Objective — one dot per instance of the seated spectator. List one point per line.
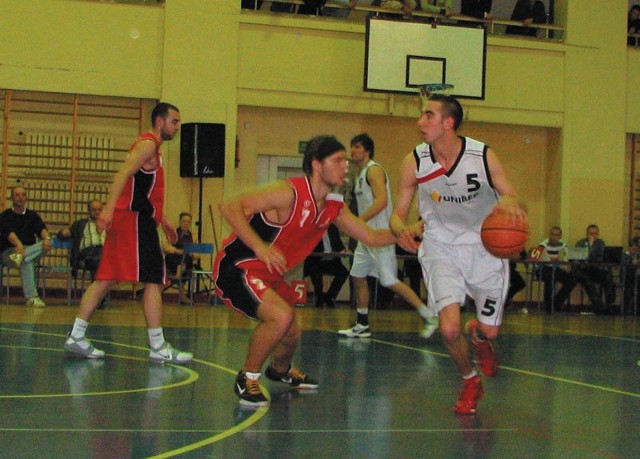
(283, 7)
(441, 7)
(555, 249)
(177, 264)
(346, 7)
(251, 4)
(315, 267)
(406, 6)
(480, 9)
(633, 25)
(516, 282)
(631, 260)
(20, 229)
(528, 12)
(86, 241)
(313, 7)
(591, 276)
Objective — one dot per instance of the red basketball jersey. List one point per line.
(297, 237)
(144, 191)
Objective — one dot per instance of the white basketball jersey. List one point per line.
(454, 204)
(364, 198)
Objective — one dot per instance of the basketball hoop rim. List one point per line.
(432, 88)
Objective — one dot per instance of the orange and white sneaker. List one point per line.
(485, 352)
(469, 395)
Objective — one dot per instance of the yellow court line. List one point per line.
(542, 328)
(252, 419)
(259, 413)
(193, 376)
(525, 372)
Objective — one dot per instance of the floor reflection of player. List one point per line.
(476, 439)
(89, 413)
(145, 441)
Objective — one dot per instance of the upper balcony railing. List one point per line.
(496, 26)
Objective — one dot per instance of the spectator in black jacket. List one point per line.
(480, 9)
(633, 25)
(528, 12)
(20, 229)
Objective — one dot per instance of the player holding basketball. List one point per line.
(275, 228)
(459, 181)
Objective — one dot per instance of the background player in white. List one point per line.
(374, 207)
(459, 181)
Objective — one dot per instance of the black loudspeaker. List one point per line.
(202, 150)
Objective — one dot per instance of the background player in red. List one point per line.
(275, 228)
(459, 182)
(132, 250)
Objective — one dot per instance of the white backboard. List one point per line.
(402, 55)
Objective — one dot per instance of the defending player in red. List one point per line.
(275, 228)
(459, 182)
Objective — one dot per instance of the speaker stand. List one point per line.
(205, 289)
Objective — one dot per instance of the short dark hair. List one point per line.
(16, 187)
(184, 214)
(451, 107)
(366, 141)
(162, 110)
(635, 7)
(91, 202)
(319, 148)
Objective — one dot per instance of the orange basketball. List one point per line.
(504, 237)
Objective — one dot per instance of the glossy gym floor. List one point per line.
(569, 387)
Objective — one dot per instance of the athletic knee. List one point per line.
(281, 318)
(450, 332)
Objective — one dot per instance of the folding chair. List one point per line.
(198, 273)
(57, 262)
(176, 280)
(4, 267)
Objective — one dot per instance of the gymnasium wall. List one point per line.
(550, 108)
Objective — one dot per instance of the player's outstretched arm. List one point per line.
(356, 228)
(406, 235)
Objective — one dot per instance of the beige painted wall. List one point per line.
(522, 149)
(574, 100)
(81, 47)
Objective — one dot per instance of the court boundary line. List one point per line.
(517, 370)
(252, 419)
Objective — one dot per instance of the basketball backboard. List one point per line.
(401, 56)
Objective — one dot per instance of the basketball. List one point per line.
(504, 237)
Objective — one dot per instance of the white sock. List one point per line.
(424, 312)
(79, 328)
(362, 311)
(470, 375)
(156, 337)
(253, 376)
